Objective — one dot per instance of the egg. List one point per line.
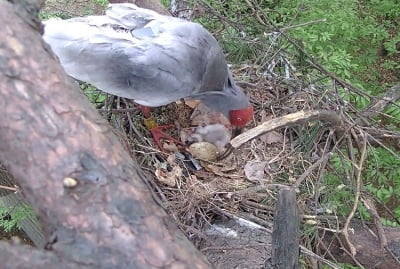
(204, 150)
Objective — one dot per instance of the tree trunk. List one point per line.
(88, 193)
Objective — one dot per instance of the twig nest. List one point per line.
(204, 150)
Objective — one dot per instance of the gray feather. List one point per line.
(139, 54)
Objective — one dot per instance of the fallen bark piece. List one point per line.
(254, 171)
(286, 233)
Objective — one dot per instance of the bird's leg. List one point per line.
(155, 130)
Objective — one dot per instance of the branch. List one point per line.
(50, 133)
(358, 172)
(390, 97)
(285, 121)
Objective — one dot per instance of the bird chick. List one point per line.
(216, 134)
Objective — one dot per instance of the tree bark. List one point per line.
(87, 191)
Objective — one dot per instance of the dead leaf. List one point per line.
(254, 170)
(192, 103)
(169, 177)
(217, 170)
(272, 137)
(171, 160)
(186, 133)
(229, 168)
(212, 168)
(202, 174)
(170, 147)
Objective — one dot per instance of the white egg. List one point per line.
(204, 151)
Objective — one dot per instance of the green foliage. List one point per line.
(390, 64)
(344, 35)
(238, 28)
(359, 101)
(56, 14)
(103, 3)
(381, 177)
(394, 111)
(66, 10)
(6, 222)
(166, 3)
(95, 96)
(386, 9)
(343, 266)
(391, 45)
(389, 223)
(345, 41)
(337, 197)
(9, 223)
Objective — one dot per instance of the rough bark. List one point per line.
(51, 137)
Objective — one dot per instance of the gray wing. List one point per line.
(156, 61)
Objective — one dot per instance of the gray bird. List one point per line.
(153, 59)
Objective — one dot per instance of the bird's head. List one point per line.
(240, 117)
(230, 101)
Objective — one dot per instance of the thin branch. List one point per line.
(311, 168)
(358, 170)
(311, 254)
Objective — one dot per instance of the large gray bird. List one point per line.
(154, 59)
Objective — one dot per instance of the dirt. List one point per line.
(16, 235)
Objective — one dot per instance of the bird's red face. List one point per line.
(239, 118)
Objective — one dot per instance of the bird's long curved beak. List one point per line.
(238, 118)
(236, 131)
